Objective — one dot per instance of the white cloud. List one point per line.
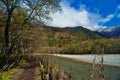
(118, 7)
(117, 11)
(70, 17)
(108, 18)
(118, 16)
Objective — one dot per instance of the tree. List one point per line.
(34, 11)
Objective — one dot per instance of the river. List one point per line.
(110, 59)
(78, 65)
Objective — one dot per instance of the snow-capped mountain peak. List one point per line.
(110, 31)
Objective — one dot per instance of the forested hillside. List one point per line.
(62, 40)
(83, 33)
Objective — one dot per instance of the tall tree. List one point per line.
(35, 11)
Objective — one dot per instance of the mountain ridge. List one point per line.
(75, 40)
(110, 31)
(81, 32)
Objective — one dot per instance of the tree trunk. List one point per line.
(6, 35)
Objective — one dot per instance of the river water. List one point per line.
(108, 59)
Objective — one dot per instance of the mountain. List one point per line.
(110, 31)
(60, 36)
(83, 33)
(73, 40)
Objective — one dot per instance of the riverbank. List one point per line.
(35, 68)
(81, 70)
(110, 60)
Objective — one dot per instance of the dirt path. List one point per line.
(27, 72)
(30, 71)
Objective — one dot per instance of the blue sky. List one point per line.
(91, 14)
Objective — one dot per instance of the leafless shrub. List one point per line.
(97, 71)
